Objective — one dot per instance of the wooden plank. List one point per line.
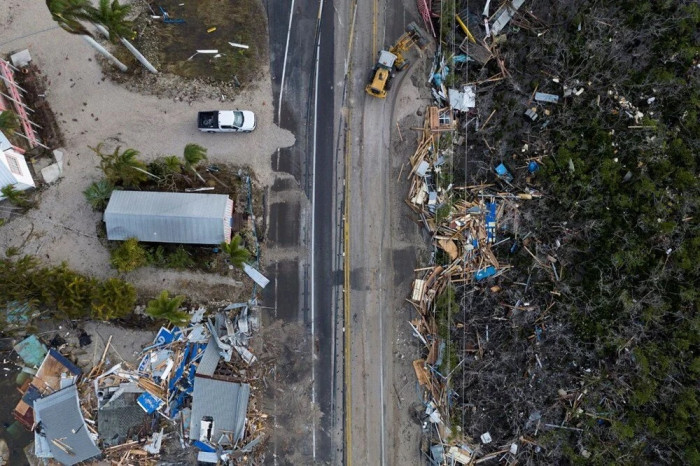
(421, 372)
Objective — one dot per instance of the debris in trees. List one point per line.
(464, 224)
(548, 98)
(504, 14)
(531, 113)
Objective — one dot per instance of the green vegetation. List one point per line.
(167, 308)
(610, 353)
(98, 194)
(180, 259)
(128, 256)
(16, 197)
(236, 251)
(629, 197)
(112, 16)
(9, 123)
(62, 292)
(193, 155)
(122, 168)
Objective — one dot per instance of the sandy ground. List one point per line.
(91, 109)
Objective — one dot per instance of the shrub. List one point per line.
(129, 256)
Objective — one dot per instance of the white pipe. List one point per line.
(134, 51)
(104, 52)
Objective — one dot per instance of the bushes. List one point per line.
(63, 292)
(129, 256)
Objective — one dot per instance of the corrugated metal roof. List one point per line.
(169, 217)
(210, 359)
(61, 420)
(225, 402)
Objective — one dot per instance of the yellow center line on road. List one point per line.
(374, 28)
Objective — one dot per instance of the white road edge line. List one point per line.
(284, 64)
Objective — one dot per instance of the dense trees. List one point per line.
(619, 211)
(629, 203)
(62, 292)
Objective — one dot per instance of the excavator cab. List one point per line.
(381, 75)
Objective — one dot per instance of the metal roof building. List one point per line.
(225, 402)
(162, 217)
(63, 426)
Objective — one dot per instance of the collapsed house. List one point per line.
(191, 382)
(54, 373)
(163, 217)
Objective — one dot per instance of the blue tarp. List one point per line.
(485, 273)
(503, 173)
(31, 350)
(203, 446)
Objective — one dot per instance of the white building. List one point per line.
(13, 167)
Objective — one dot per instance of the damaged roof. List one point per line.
(64, 428)
(117, 420)
(225, 402)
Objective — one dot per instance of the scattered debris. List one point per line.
(549, 98)
(188, 386)
(464, 224)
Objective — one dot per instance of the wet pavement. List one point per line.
(289, 221)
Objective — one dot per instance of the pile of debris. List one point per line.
(463, 223)
(192, 385)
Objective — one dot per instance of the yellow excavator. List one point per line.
(393, 59)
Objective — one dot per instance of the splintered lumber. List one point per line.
(418, 290)
(422, 373)
(65, 448)
(98, 367)
(433, 118)
(449, 247)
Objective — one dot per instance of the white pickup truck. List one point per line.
(226, 121)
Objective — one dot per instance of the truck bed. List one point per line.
(208, 120)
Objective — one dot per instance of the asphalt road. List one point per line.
(302, 215)
(381, 259)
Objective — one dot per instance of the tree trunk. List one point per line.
(139, 56)
(104, 52)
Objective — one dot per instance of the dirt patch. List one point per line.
(172, 48)
(35, 84)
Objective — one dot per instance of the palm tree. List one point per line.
(124, 167)
(110, 19)
(9, 123)
(172, 164)
(236, 251)
(165, 307)
(112, 16)
(193, 155)
(70, 16)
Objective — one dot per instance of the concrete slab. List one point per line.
(51, 173)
